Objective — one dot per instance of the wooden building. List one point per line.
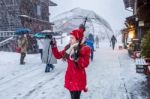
(141, 16)
(32, 14)
(139, 22)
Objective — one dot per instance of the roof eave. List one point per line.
(52, 3)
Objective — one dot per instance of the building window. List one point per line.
(9, 2)
(38, 10)
(34, 9)
(0, 17)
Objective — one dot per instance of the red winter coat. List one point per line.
(75, 78)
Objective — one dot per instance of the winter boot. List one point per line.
(47, 69)
(52, 66)
(22, 58)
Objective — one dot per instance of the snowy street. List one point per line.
(111, 75)
(74, 49)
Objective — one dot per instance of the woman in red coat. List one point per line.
(77, 56)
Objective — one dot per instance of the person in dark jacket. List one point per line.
(113, 41)
(77, 56)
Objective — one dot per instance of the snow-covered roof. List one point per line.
(51, 3)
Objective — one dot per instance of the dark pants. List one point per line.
(48, 67)
(23, 55)
(97, 44)
(41, 52)
(92, 53)
(75, 94)
(113, 46)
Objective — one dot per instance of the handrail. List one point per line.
(5, 41)
(7, 33)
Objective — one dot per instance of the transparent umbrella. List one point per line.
(46, 31)
(69, 20)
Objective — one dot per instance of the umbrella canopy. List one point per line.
(39, 35)
(69, 20)
(21, 31)
(45, 34)
(46, 31)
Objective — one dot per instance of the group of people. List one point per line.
(77, 53)
(44, 48)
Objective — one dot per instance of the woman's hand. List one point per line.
(53, 43)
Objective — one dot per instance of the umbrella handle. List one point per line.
(85, 21)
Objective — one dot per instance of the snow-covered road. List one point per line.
(110, 76)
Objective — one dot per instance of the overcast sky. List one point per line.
(112, 11)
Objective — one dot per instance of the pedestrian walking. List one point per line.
(48, 57)
(113, 41)
(97, 41)
(23, 44)
(91, 37)
(40, 43)
(77, 56)
(90, 43)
